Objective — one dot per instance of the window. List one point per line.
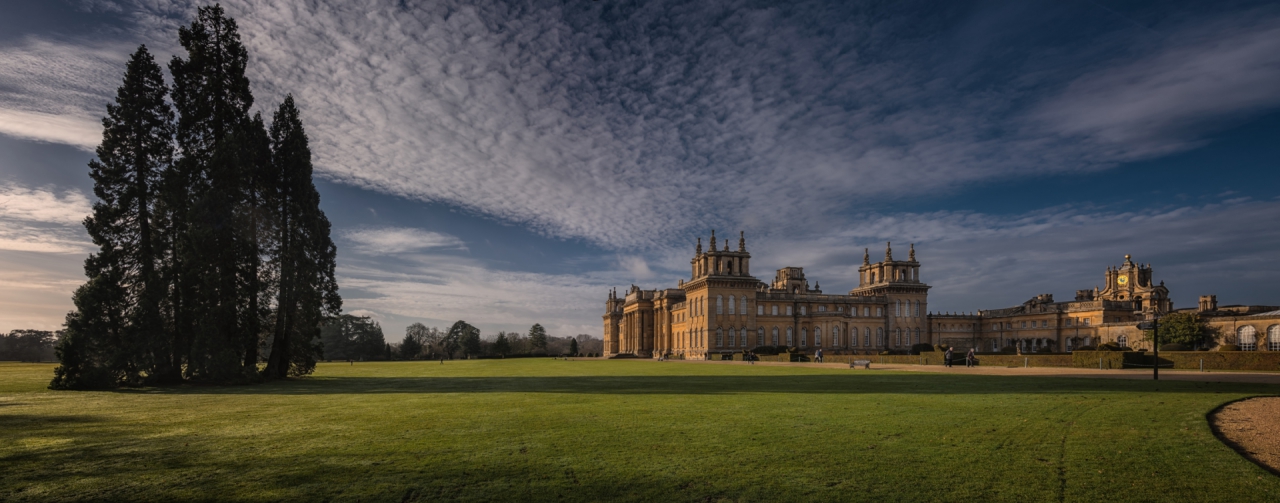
(917, 309)
(880, 336)
(1273, 338)
(1068, 322)
(790, 339)
(897, 308)
(917, 336)
(759, 310)
(1248, 338)
(1122, 341)
(760, 336)
(732, 303)
(804, 337)
(802, 311)
(835, 337)
(719, 304)
(788, 310)
(995, 326)
(866, 311)
(897, 337)
(719, 337)
(866, 336)
(744, 305)
(1086, 321)
(879, 312)
(1044, 324)
(995, 345)
(1024, 324)
(839, 309)
(822, 309)
(775, 336)
(817, 337)
(732, 339)
(775, 310)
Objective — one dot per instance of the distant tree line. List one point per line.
(213, 254)
(465, 341)
(27, 345)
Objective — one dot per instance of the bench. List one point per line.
(866, 364)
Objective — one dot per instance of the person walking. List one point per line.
(819, 355)
(948, 357)
(968, 358)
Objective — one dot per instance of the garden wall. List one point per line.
(1181, 360)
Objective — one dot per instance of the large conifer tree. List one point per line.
(304, 254)
(216, 141)
(117, 331)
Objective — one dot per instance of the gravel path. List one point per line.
(1252, 427)
(1139, 374)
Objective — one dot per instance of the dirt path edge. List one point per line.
(1212, 418)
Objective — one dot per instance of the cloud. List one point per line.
(1149, 104)
(637, 266)
(40, 220)
(397, 240)
(625, 125)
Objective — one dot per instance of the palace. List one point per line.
(723, 309)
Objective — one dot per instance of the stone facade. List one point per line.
(723, 309)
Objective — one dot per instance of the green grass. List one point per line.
(623, 430)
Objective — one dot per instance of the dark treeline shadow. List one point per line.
(853, 383)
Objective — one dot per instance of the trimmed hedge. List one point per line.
(1180, 360)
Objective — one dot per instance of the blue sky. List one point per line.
(508, 162)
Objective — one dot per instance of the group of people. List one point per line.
(969, 359)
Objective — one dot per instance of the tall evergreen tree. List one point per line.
(117, 331)
(502, 346)
(538, 337)
(214, 133)
(304, 254)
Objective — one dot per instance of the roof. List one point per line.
(1268, 313)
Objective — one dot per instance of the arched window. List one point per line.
(733, 339)
(897, 337)
(1248, 338)
(817, 336)
(879, 336)
(719, 337)
(775, 335)
(897, 308)
(719, 304)
(1273, 338)
(790, 339)
(760, 336)
(835, 337)
(804, 337)
(917, 309)
(733, 302)
(742, 337)
(917, 336)
(1123, 341)
(744, 305)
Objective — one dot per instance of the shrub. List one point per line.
(1174, 347)
(941, 348)
(1045, 349)
(1228, 347)
(922, 348)
(1086, 348)
(1009, 350)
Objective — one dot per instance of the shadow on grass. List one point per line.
(705, 385)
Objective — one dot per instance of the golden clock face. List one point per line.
(1122, 280)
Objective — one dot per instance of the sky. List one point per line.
(509, 162)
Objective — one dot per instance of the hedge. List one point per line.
(1181, 360)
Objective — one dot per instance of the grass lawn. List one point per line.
(623, 430)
